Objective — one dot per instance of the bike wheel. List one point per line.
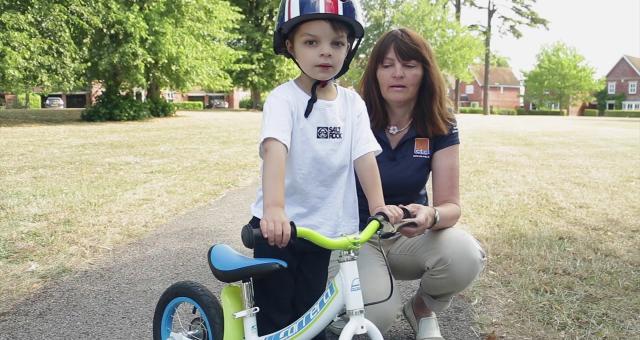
(188, 310)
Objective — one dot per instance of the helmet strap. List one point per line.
(314, 96)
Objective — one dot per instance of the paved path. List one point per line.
(115, 299)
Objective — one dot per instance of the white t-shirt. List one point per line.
(320, 187)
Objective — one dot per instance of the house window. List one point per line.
(633, 87)
(612, 87)
(468, 89)
(611, 105)
(636, 106)
(169, 96)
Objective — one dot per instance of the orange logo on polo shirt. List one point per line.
(421, 148)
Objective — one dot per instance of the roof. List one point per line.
(634, 62)
(497, 75)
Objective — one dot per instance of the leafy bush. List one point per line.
(189, 105)
(542, 112)
(590, 113)
(622, 113)
(116, 107)
(34, 101)
(470, 110)
(161, 108)
(248, 104)
(509, 112)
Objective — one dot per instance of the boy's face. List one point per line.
(319, 50)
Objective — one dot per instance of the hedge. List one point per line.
(542, 112)
(622, 113)
(34, 101)
(470, 110)
(590, 113)
(189, 105)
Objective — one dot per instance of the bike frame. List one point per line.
(343, 291)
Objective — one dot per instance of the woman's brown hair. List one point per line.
(431, 115)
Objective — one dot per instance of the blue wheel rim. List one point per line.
(167, 316)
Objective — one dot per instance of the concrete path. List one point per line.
(116, 298)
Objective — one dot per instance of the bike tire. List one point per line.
(203, 317)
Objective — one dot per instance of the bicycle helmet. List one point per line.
(294, 12)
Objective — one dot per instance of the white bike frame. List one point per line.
(343, 292)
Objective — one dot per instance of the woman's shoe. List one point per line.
(426, 328)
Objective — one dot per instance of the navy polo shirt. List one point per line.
(405, 170)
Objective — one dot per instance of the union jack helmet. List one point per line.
(294, 12)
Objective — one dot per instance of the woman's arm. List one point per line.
(445, 173)
(369, 176)
(274, 223)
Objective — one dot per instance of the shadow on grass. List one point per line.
(12, 118)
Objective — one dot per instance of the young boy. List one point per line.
(315, 135)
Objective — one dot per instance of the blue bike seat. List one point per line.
(228, 265)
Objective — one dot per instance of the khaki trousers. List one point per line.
(445, 261)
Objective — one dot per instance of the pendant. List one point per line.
(393, 129)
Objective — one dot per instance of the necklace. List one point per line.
(393, 129)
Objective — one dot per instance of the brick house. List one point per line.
(624, 78)
(504, 88)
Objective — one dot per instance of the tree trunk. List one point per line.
(26, 99)
(255, 98)
(153, 91)
(491, 8)
(456, 92)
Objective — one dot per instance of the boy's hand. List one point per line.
(275, 227)
(392, 211)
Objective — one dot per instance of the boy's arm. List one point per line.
(274, 223)
(369, 176)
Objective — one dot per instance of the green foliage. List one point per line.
(116, 107)
(41, 44)
(499, 61)
(34, 101)
(160, 108)
(561, 75)
(591, 113)
(189, 105)
(505, 112)
(247, 103)
(454, 45)
(524, 112)
(470, 109)
(259, 68)
(602, 97)
(187, 43)
(622, 113)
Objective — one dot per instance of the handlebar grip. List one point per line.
(252, 236)
(405, 213)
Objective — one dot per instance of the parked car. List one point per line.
(220, 104)
(56, 102)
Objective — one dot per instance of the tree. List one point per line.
(561, 75)
(259, 68)
(41, 44)
(510, 16)
(454, 46)
(185, 47)
(499, 61)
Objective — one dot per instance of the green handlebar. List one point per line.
(347, 242)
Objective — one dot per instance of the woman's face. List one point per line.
(399, 79)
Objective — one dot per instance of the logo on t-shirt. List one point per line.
(421, 148)
(329, 132)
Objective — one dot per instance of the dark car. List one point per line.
(54, 102)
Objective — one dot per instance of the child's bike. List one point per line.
(188, 310)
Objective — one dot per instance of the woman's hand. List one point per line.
(422, 216)
(392, 211)
(275, 227)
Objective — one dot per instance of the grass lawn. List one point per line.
(70, 191)
(554, 200)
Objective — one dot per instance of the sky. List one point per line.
(601, 31)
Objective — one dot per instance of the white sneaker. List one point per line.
(427, 328)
